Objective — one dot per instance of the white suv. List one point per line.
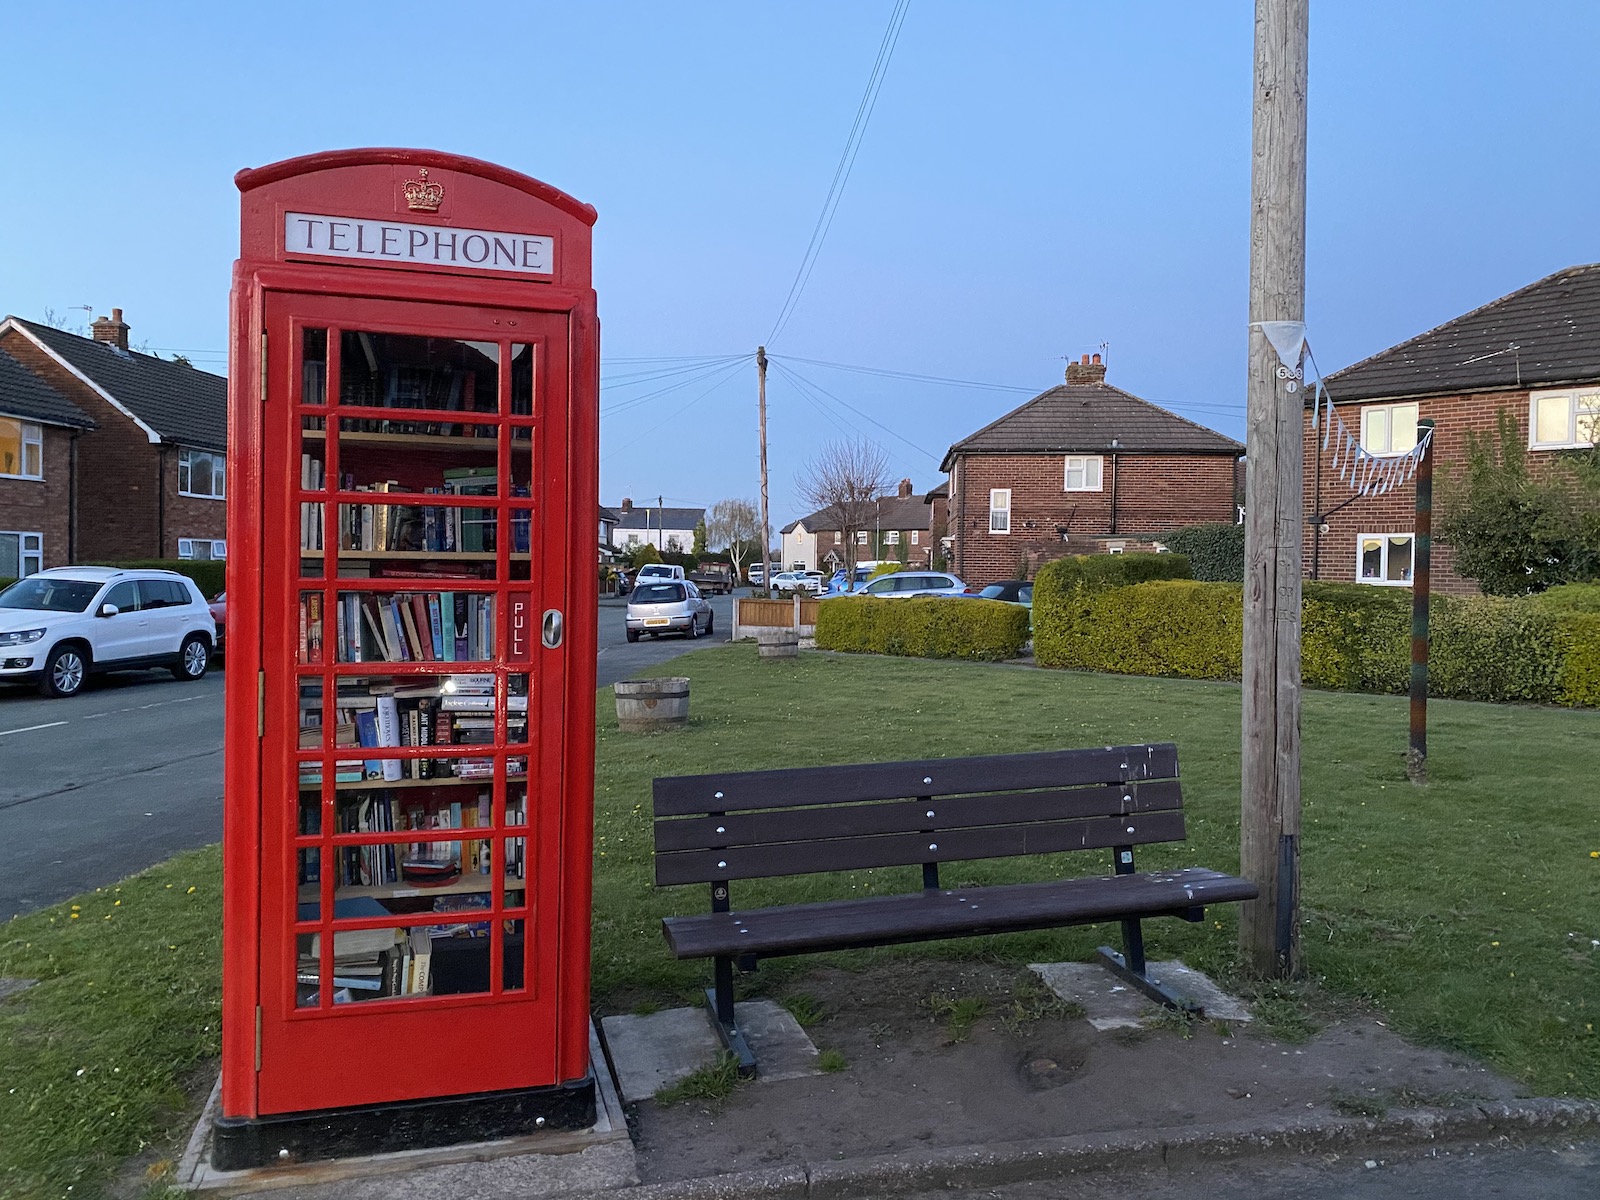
(59, 626)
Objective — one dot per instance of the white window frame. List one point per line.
(1080, 462)
(30, 545)
(218, 548)
(1000, 510)
(861, 537)
(1372, 415)
(838, 537)
(891, 537)
(31, 437)
(1581, 404)
(914, 534)
(219, 473)
(1383, 540)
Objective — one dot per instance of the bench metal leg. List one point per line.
(1133, 969)
(720, 1000)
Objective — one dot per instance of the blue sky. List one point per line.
(1037, 179)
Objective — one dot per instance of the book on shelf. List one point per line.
(403, 627)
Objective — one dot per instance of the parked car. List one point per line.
(673, 606)
(60, 626)
(219, 614)
(656, 572)
(799, 581)
(713, 577)
(758, 574)
(1013, 591)
(836, 584)
(914, 583)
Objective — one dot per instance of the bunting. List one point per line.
(1365, 473)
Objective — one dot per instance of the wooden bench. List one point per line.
(759, 824)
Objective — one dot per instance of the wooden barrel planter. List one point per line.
(779, 643)
(646, 704)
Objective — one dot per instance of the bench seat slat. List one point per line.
(910, 816)
(905, 849)
(686, 795)
(921, 916)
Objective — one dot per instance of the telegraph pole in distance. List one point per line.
(766, 527)
(1269, 833)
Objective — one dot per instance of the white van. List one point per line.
(659, 573)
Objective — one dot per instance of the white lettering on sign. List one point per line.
(423, 245)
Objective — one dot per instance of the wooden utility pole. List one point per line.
(766, 527)
(1269, 849)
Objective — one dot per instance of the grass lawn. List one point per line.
(1467, 910)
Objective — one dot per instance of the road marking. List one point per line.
(31, 728)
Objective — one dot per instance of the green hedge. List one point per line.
(210, 575)
(1215, 551)
(923, 627)
(1065, 586)
(1571, 597)
(1353, 638)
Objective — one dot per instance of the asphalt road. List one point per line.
(129, 772)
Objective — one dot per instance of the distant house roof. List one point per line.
(1093, 418)
(1545, 334)
(24, 394)
(179, 403)
(610, 514)
(660, 518)
(941, 492)
(894, 512)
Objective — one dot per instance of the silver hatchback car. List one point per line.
(673, 607)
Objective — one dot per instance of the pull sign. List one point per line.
(521, 619)
(551, 635)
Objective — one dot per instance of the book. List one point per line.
(367, 734)
(389, 735)
(435, 625)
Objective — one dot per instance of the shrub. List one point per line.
(209, 575)
(1167, 627)
(1355, 637)
(923, 627)
(1571, 597)
(1215, 551)
(1490, 648)
(1578, 681)
(883, 568)
(1061, 595)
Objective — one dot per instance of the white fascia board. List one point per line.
(150, 434)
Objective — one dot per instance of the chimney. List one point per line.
(627, 506)
(904, 491)
(1089, 369)
(113, 332)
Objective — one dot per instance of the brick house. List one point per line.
(1534, 354)
(900, 529)
(1082, 468)
(152, 473)
(39, 432)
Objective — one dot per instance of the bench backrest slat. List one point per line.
(906, 849)
(686, 795)
(765, 826)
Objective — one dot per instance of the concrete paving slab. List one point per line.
(1112, 1004)
(655, 1051)
(558, 1163)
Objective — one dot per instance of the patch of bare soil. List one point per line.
(944, 1054)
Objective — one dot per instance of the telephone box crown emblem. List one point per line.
(422, 196)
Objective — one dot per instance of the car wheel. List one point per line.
(694, 627)
(64, 672)
(194, 656)
(633, 635)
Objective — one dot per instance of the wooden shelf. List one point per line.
(312, 892)
(418, 441)
(358, 785)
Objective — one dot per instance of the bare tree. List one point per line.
(734, 524)
(844, 482)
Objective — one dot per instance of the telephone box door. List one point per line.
(415, 486)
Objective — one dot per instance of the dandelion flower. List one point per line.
(190, 892)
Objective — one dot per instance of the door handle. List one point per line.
(551, 632)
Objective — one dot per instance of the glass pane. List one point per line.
(517, 717)
(1402, 428)
(1399, 565)
(314, 367)
(1375, 430)
(414, 626)
(30, 459)
(10, 446)
(1554, 412)
(1372, 558)
(10, 559)
(522, 376)
(1588, 417)
(387, 370)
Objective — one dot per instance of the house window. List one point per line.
(202, 548)
(838, 537)
(861, 537)
(914, 533)
(891, 538)
(1000, 510)
(21, 554)
(1388, 428)
(202, 474)
(21, 449)
(1384, 559)
(1563, 419)
(1083, 473)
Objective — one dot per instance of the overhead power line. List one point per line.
(841, 173)
(800, 381)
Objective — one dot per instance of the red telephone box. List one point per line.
(411, 658)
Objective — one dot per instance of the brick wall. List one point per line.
(1332, 556)
(189, 516)
(43, 506)
(1152, 493)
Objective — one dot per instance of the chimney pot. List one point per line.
(1085, 360)
(627, 505)
(1085, 371)
(1094, 358)
(905, 489)
(112, 331)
